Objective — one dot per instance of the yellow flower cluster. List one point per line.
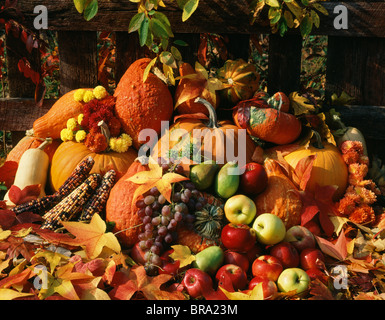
(73, 130)
(120, 144)
(84, 95)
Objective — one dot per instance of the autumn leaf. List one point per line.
(92, 236)
(300, 104)
(138, 281)
(19, 196)
(336, 250)
(52, 258)
(10, 294)
(319, 291)
(8, 173)
(182, 254)
(319, 202)
(155, 178)
(255, 294)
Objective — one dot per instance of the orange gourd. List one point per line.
(29, 142)
(192, 88)
(120, 209)
(216, 139)
(50, 124)
(142, 105)
(329, 167)
(70, 153)
(280, 197)
(268, 124)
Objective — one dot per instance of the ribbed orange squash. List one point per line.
(268, 124)
(280, 197)
(329, 167)
(192, 88)
(50, 124)
(119, 207)
(70, 153)
(29, 142)
(142, 105)
(240, 80)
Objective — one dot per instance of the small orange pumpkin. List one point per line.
(70, 153)
(119, 207)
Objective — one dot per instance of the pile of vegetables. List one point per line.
(157, 206)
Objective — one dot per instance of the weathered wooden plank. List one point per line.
(284, 63)
(365, 18)
(19, 114)
(78, 60)
(357, 66)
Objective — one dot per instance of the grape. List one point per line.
(155, 260)
(154, 191)
(141, 236)
(155, 249)
(165, 167)
(166, 210)
(149, 199)
(198, 206)
(155, 205)
(184, 198)
(168, 238)
(164, 221)
(176, 197)
(148, 211)
(162, 231)
(188, 193)
(140, 203)
(178, 207)
(142, 245)
(146, 220)
(141, 213)
(155, 221)
(148, 227)
(178, 216)
(179, 169)
(161, 199)
(149, 243)
(148, 233)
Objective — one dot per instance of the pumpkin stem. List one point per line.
(45, 143)
(213, 120)
(318, 143)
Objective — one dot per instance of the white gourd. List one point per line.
(32, 169)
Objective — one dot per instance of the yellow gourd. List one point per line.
(32, 169)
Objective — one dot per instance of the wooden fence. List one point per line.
(355, 59)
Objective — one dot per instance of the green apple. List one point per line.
(240, 209)
(292, 279)
(270, 228)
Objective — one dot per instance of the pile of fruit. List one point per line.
(147, 195)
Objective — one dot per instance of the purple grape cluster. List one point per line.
(161, 218)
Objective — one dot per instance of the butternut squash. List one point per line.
(32, 169)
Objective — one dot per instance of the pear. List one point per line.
(203, 174)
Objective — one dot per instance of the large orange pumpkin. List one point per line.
(70, 153)
(329, 167)
(142, 105)
(192, 88)
(280, 197)
(30, 142)
(219, 141)
(119, 207)
(50, 124)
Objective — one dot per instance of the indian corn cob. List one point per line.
(72, 204)
(43, 204)
(98, 200)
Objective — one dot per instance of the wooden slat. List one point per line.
(357, 66)
(284, 63)
(78, 60)
(217, 16)
(19, 114)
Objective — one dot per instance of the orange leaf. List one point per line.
(8, 173)
(338, 250)
(19, 196)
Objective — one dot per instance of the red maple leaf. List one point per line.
(19, 196)
(8, 173)
(319, 202)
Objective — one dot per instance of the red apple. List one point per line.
(286, 253)
(137, 254)
(254, 178)
(235, 273)
(238, 237)
(237, 258)
(313, 227)
(312, 258)
(254, 252)
(300, 237)
(267, 266)
(269, 287)
(197, 283)
(315, 273)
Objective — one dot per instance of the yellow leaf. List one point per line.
(92, 236)
(301, 105)
(9, 294)
(255, 294)
(338, 223)
(4, 234)
(53, 258)
(22, 232)
(182, 254)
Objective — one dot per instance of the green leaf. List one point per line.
(167, 58)
(166, 23)
(189, 8)
(158, 28)
(295, 9)
(91, 10)
(289, 18)
(282, 26)
(273, 3)
(320, 8)
(315, 18)
(143, 31)
(181, 43)
(136, 22)
(306, 26)
(176, 53)
(79, 5)
(274, 15)
(305, 2)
